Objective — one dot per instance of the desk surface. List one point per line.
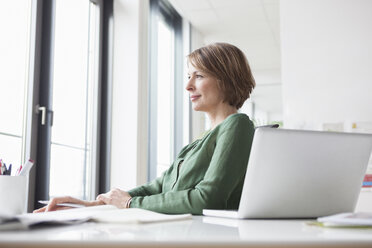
(197, 232)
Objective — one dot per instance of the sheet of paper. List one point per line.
(136, 215)
(64, 216)
(221, 221)
(103, 213)
(351, 219)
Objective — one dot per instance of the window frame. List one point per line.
(174, 20)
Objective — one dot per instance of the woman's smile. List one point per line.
(194, 97)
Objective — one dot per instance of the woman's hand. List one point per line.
(53, 203)
(116, 197)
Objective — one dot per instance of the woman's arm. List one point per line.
(116, 197)
(53, 203)
(151, 188)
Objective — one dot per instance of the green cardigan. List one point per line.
(208, 173)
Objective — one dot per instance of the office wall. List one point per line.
(326, 50)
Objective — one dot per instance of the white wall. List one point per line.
(129, 112)
(326, 61)
(326, 64)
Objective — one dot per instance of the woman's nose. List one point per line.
(190, 85)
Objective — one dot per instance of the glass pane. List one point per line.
(14, 42)
(73, 100)
(165, 97)
(68, 174)
(70, 72)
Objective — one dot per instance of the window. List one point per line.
(166, 87)
(15, 20)
(74, 99)
(55, 81)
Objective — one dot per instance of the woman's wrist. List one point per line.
(127, 204)
(97, 203)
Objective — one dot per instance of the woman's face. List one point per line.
(203, 89)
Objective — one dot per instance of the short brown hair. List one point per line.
(229, 65)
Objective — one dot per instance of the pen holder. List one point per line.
(12, 195)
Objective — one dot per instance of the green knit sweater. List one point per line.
(208, 173)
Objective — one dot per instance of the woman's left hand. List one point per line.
(116, 197)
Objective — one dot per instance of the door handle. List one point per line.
(43, 110)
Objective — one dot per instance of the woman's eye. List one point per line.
(199, 76)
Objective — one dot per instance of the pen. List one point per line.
(18, 170)
(9, 170)
(26, 168)
(72, 205)
(3, 169)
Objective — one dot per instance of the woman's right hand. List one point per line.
(53, 203)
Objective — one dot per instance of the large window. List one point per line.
(166, 90)
(15, 23)
(54, 89)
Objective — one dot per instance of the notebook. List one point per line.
(301, 174)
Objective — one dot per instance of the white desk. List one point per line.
(190, 233)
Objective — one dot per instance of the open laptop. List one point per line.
(302, 174)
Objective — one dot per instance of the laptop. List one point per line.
(301, 174)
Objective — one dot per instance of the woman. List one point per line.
(208, 173)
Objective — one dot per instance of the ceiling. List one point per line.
(251, 25)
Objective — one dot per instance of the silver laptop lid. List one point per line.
(303, 174)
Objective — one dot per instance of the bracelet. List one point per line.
(127, 204)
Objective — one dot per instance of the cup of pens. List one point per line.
(13, 189)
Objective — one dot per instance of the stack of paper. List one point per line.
(103, 213)
(346, 220)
